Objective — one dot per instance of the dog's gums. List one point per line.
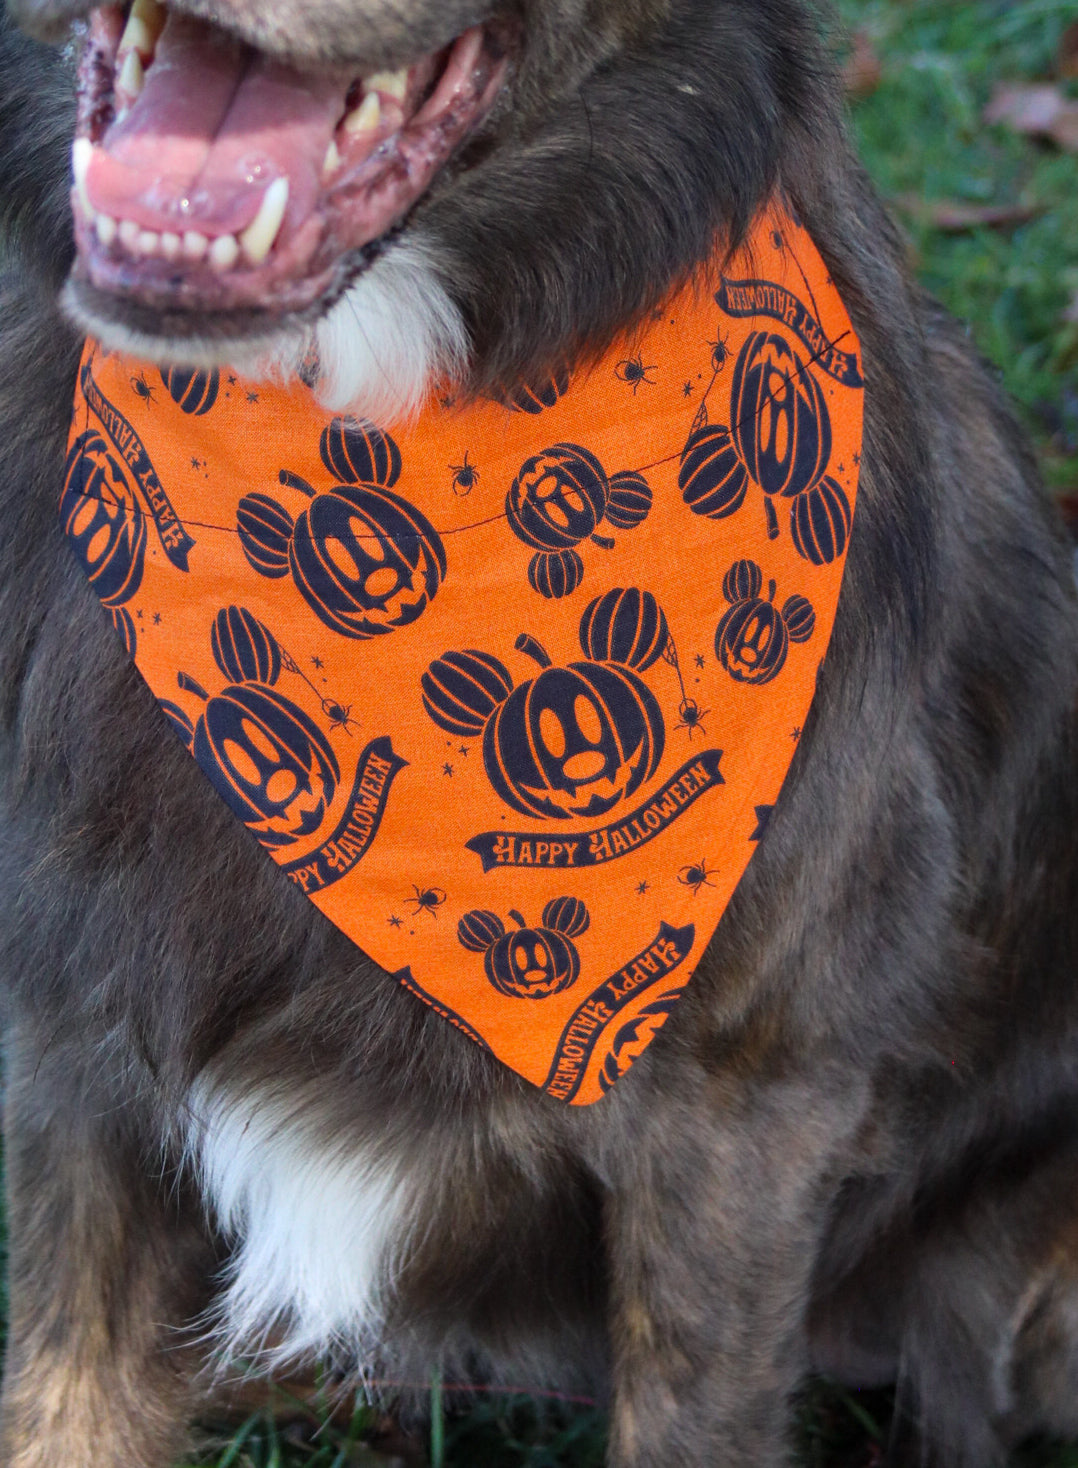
(211, 178)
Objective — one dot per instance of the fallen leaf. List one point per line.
(863, 69)
(1038, 109)
(955, 215)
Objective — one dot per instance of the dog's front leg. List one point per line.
(107, 1269)
(716, 1206)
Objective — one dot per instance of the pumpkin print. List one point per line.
(712, 478)
(630, 500)
(243, 648)
(265, 531)
(555, 574)
(533, 399)
(528, 963)
(558, 498)
(779, 419)
(194, 391)
(358, 453)
(624, 626)
(124, 624)
(820, 522)
(753, 636)
(103, 519)
(462, 689)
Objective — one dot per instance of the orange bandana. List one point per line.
(510, 694)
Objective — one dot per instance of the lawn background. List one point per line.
(921, 74)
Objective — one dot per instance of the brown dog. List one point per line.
(853, 1147)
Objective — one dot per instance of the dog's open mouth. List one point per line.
(213, 181)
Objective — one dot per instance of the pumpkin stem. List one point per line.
(606, 541)
(772, 520)
(771, 589)
(533, 649)
(293, 481)
(188, 684)
(517, 918)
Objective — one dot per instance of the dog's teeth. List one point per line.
(131, 75)
(82, 151)
(129, 232)
(106, 228)
(144, 26)
(147, 242)
(391, 83)
(195, 245)
(332, 160)
(171, 245)
(258, 238)
(224, 252)
(366, 117)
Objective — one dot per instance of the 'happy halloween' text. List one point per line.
(667, 951)
(764, 298)
(378, 767)
(593, 848)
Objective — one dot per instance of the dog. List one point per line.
(852, 1147)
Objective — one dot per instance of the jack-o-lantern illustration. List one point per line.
(271, 763)
(364, 559)
(528, 962)
(572, 741)
(778, 417)
(558, 500)
(193, 390)
(754, 636)
(633, 1038)
(104, 520)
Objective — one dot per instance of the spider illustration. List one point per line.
(719, 352)
(696, 876)
(339, 715)
(691, 716)
(141, 388)
(429, 899)
(465, 477)
(632, 370)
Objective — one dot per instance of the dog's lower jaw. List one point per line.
(318, 1227)
(393, 336)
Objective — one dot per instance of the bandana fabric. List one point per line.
(510, 694)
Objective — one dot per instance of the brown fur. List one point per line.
(853, 1147)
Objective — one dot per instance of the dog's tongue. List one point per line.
(215, 124)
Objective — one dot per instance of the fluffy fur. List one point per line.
(854, 1144)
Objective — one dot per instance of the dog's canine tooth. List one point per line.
(171, 245)
(195, 245)
(143, 28)
(366, 117)
(129, 232)
(131, 77)
(332, 160)
(390, 83)
(258, 238)
(224, 252)
(82, 151)
(106, 228)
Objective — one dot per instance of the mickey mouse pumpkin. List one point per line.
(364, 559)
(558, 500)
(528, 963)
(573, 741)
(754, 636)
(272, 765)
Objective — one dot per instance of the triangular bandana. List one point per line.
(510, 694)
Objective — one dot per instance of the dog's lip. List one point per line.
(210, 180)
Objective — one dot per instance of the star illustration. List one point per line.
(196, 463)
(157, 619)
(447, 768)
(318, 663)
(395, 921)
(463, 749)
(795, 734)
(842, 468)
(252, 397)
(231, 380)
(687, 390)
(699, 660)
(856, 458)
(642, 888)
(138, 614)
